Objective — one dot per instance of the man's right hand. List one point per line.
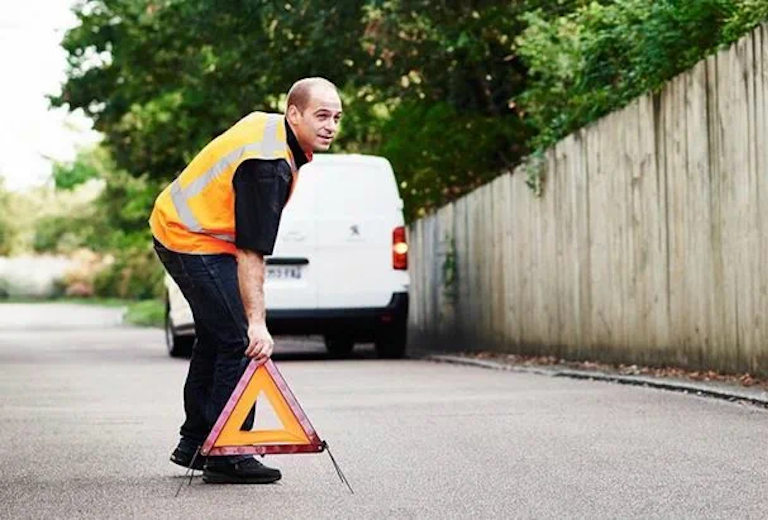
(260, 342)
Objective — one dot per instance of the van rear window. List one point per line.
(354, 188)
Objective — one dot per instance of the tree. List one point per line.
(7, 230)
(113, 219)
(91, 163)
(161, 78)
(599, 57)
(452, 77)
(451, 92)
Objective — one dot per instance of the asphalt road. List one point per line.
(90, 411)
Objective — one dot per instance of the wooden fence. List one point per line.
(649, 244)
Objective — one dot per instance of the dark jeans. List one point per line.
(209, 283)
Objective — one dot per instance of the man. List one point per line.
(212, 228)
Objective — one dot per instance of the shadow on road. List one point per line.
(304, 352)
(308, 350)
(311, 356)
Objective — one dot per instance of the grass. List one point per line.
(146, 313)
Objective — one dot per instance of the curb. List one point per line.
(728, 393)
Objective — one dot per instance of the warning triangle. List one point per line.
(262, 385)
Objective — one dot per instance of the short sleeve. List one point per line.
(261, 191)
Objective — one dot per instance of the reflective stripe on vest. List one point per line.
(269, 146)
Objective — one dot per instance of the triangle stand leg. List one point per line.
(338, 468)
(190, 472)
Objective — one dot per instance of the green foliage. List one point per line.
(88, 164)
(451, 92)
(6, 238)
(57, 234)
(136, 274)
(116, 220)
(115, 223)
(160, 79)
(159, 90)
(7, 229)
(743, 16)
(468, 142)
(121, 212)
(535, 172)
(450, 289)
(603, 55)
(147, 313)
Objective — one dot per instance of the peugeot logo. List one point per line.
(354, 230)
(295, 236)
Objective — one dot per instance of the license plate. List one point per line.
(284, 272)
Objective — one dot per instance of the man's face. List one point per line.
(316, 127)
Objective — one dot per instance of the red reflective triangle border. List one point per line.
(315, 444)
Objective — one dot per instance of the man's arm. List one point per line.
(250, 276)
(261, 190)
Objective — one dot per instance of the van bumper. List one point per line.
(361, 323)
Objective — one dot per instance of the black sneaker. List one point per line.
(183, 457)
(246, 471)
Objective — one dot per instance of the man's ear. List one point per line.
(293, 114)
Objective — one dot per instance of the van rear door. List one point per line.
(358, 208)
(292, 273)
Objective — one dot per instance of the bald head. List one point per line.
(313, 111)
(301, 91)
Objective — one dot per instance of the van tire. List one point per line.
(390, 343)
(339, 347)
(177, 346)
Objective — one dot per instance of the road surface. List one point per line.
(91, 408)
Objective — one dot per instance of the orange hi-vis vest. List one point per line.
(196, 212)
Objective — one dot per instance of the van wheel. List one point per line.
(390, 343)
(339, 347)
(178, 346)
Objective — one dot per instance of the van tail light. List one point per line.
(399, 249)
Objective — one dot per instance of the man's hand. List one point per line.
(260, 342)
(250, 276)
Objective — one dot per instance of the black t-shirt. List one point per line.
(261, 191)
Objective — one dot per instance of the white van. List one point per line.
(340, 264)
